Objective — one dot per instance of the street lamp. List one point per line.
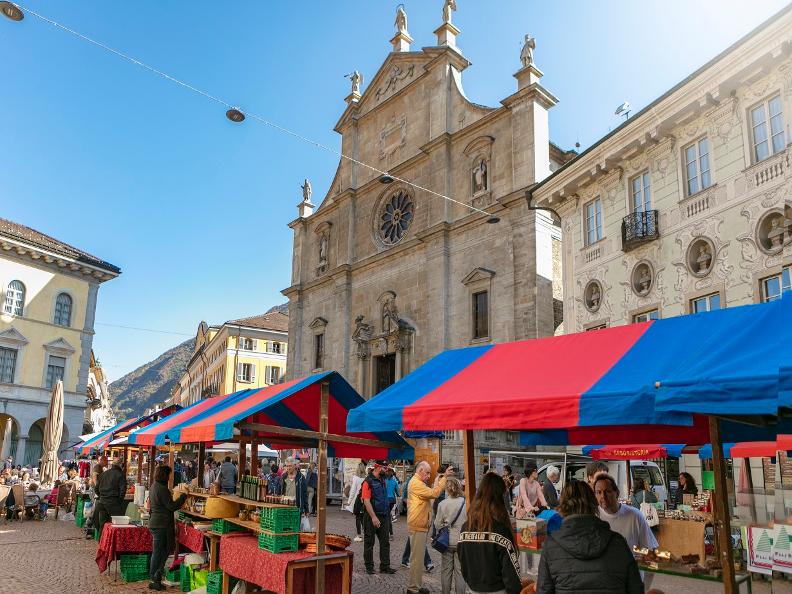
(235, 115)
(385, 179)
(11, 11)
(493, 220)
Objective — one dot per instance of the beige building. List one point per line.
(237, 355)
(685, 207)
(48, 293)
(387, 275)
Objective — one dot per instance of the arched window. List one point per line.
(14, 298)
(63, 308)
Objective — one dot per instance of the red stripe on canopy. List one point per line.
(629, 452)
(532, 381)
(754, 449)
(148, 435)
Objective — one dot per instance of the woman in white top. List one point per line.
(357, 484)
(447, 512)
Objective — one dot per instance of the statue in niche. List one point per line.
(704, 258)
(390, 315)
(776, 232)
(449, 7)
(480, 177)
(356, 79)
(323, 250)
(594, 297)
(401, 20)
(361, 336)
(644, 280)
(526, 55)
(307, 190)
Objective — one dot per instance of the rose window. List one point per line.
(396, 217)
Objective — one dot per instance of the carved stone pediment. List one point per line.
(319, 323)
(60, 347)
(478, 274)
(13, 338)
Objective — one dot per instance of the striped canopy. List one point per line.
(659, 372)
(293, 405)
(101, 441)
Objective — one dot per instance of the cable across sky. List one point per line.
(252, 115)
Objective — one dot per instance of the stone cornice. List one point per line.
(533, 91)
(62, 264)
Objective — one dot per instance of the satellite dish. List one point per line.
(623, 109)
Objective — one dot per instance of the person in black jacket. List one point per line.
(161, 524)
(110, 490)
(486, 548)
(585, 555)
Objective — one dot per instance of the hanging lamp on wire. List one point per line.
(11, 11)
(235, 115)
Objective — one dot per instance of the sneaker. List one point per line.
(430, 568)
(387, 570)
(358, 539)
(405, 564)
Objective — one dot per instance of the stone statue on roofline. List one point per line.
(356, 79)
(401, 20)
(526, 55)
(307, 190)
(449, 7)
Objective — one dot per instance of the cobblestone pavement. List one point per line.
(53, 556)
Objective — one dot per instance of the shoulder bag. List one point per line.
(442, 538)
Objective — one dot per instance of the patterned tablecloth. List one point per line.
(121, 539)
(189, 537)
(241, 557)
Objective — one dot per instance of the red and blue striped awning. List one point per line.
(634, 451)
(293, 404)
(722, 362)
(100, 442)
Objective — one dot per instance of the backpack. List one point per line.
(357, 508)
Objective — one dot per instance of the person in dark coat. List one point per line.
(585, 555)
(548, 489)
(110, 490)
(687, 486)
(487, 552)
(161, 524)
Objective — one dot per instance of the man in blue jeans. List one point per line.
(405, 562)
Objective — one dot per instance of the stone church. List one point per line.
(425, 240)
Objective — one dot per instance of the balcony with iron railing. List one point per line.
(639, 228)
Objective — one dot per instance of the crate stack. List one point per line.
(135, 568)
(221, 526)
(280, 529)
(79, 514)
(214, 582)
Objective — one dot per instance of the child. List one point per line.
(51, 499)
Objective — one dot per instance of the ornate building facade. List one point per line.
(48, 299)
(239, 354)
(99, 413)
(440, 252)
(687, 206)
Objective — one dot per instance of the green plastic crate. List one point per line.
(222, 526)
(214, 582)
(280, 519)
(79, 515)
(278, 543)
(185, 577)
(134, 575)
(173, 575)
(134, 568)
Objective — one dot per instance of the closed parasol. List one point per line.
(53, 432)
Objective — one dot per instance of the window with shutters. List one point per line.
(247, 344)
(274, 347)
(56, 367)
(8, 359)
(63, 309)
(272, 374)
(246, 372)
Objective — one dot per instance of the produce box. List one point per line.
(135, 568)
(220, 508)
(278, 543)
(214, 582)
(222, 526)
(280, 519)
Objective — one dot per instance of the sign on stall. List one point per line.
(760, 548)
(782, 551)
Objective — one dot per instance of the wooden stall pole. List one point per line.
(721, 516)
(253, 457)
(469, 451)
(201, 461)
(140, 465)
(242, 458)
(151, 465)
(321, 486)
(170, 463)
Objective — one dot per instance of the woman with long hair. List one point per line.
(487, 551)
(161, 524)
(451, 513)
(354, 503)
(687, 486)
(585, 555)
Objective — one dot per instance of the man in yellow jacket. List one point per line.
(419, 512)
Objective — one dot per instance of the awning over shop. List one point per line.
(754, 449)
(634, 452)
(705, 451)
(293, 405)
(102, 440)
(726, 362)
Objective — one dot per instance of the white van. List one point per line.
(645, 469)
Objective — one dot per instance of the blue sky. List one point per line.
(151, 177)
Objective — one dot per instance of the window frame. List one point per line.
(319, 350)
(246, 340)
(15, 359)
(785, 271)
(767, 125)
(597, 217)
(16, 306)
(477, 317)
(696, 145)
(268, 372)
(241, 375)
(647, 312)
(57, 318)
(51, 380)
(707, 298)
(274, 347)
(645, 189)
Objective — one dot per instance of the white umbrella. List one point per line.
(53, 432)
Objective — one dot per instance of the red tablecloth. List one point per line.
(121, 539)
(241, 557)
(190, 537)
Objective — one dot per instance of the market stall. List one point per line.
(309, 412)
(725, 362)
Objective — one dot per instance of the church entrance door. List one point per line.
(386, 371)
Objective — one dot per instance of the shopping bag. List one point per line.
(649, 513)
(305, 524)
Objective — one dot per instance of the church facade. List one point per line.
(425, 240)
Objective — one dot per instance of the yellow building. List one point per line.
(240, 354)
(48, 292)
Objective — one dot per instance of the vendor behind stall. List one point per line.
(161, 524)
(687, 486)
(111, 489)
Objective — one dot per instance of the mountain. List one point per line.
(151, 383)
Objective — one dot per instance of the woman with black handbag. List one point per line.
(448, 521)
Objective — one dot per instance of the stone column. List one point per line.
(8, 428)
(20, 453)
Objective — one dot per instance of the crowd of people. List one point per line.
(590, 552)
